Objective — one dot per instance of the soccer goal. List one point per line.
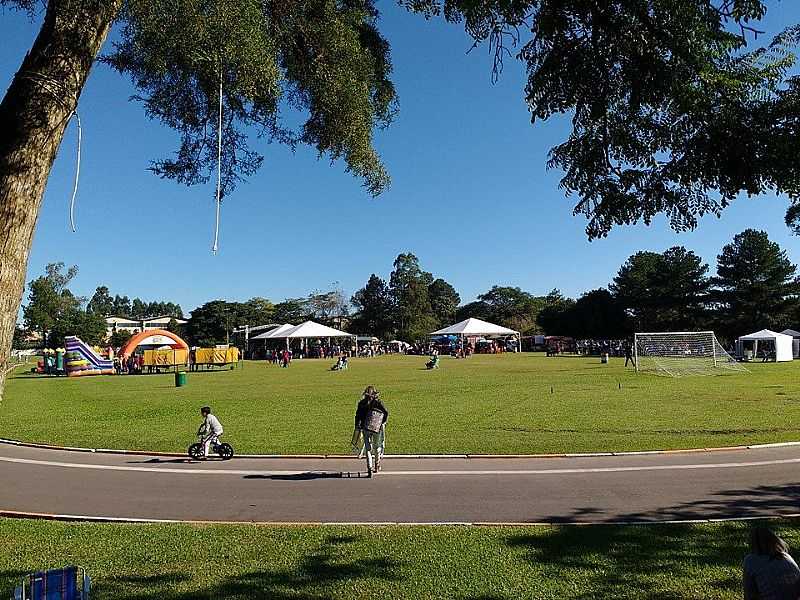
(679, 353)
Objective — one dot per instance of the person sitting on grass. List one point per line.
(339, 364)
(210, 430)
(433, 363)
(769, 573)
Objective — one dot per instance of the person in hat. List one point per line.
(374, 433)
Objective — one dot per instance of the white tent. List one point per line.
(795, 341)
(273, 332)
(782, 343)
(473, 327)
(310, 330)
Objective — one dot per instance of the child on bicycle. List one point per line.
(210, 430)
(374, 435)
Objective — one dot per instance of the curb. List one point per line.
(35, 516)
(10, 442)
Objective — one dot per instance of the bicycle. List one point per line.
(223, 450)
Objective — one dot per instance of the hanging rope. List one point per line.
(77, 172)
(56, 89)
(215, 247)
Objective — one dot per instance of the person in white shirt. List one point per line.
(211, 429)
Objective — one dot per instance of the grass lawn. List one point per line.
(486, 404)
(182, 562)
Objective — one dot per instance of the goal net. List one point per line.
(682, 353)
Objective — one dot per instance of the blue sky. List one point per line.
(470, 197)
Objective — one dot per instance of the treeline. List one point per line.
(412, 304)
(754, 286)
(121, 306)
(53, 311)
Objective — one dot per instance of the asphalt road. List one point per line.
(656, 487)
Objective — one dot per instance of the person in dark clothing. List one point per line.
(629, 356)
(365, 422)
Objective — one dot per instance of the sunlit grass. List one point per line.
(227, 562)
(487, 404)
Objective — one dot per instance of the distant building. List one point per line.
(133, 326)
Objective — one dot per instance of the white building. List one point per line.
(132, 325)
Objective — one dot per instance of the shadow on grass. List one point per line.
(317, 576)
(658, 563)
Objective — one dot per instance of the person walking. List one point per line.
(769, 573)
(629, 355)
(374, 434)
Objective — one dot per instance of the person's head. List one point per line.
(370, 392)
(763, 541)
(205, 411)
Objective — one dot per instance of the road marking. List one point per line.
(411, 473)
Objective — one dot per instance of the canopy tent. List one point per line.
(274, 332)
(795, 341)
(782, 343)
(310, 330)
(475, 327)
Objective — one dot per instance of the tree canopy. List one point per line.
(55, 312)
(104, 305)
(675, 108)
(373, 309)
(271, 60)
(665, 291)
(757, 284)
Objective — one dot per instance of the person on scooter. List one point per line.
(370, 401)
(211, 429)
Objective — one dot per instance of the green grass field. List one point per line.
(486, 404)
(227, 562)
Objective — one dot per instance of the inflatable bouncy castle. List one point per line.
(82, 360)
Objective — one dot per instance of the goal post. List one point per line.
(679, 353)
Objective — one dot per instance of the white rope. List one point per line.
(77, 173)
(215, 247)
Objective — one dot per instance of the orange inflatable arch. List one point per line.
(137, 339)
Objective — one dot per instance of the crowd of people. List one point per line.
(600, 347)
(133, 364)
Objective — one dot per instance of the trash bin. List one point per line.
(180, 378)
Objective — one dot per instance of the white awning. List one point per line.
(273, 332)
(310, 329)
(783, 343)
(764, 334)
(475, 327)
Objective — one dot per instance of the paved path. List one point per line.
(658, 487)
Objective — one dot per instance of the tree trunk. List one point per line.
(33, 116)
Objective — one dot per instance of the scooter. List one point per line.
(224, 450)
